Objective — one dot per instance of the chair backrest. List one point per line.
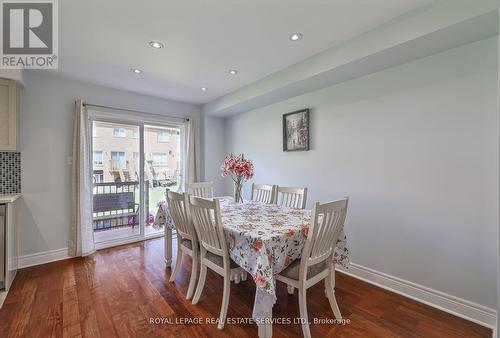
(200, 189)
(207, 222)
(177, 206)
(263, 193)
(291, 197)
(327, 221)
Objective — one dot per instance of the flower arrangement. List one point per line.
(240, 170)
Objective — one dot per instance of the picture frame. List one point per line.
(296, 130)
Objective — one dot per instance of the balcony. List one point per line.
(116, 209)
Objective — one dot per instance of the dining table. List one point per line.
(263, 239)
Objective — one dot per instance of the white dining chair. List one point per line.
(206, 218)
(291, 197)
(187, 241)
(200, 189)
(264, 193)
(327, 222)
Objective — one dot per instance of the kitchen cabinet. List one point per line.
(9, 114)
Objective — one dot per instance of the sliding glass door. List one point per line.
(132, 166)
(162, 168)
(116, 181)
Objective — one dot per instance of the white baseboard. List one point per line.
(459, 307)
(43, 257)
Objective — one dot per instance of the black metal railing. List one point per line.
(115, 204)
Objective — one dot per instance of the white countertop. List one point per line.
(8, 198)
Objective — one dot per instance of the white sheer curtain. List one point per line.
(189, 153)
(81, 242)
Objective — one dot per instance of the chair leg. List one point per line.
(303, 312)
(237, 277)
(178, 260)
(331, 296)
(194, 272)
(225, 301)
(201, 282)
(332, 275)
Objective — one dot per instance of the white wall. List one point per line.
(498, 229)
(47, 116)
(415, 148)
(214, 147)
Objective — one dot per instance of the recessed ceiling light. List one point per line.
(295, 37)
(203, 88)
(233, 71)
(137, 71)
(156, 44)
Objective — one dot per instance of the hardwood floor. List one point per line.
(116, 292)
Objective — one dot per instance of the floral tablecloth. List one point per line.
(162, 217)
(264, 239)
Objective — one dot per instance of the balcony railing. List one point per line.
(115, 205)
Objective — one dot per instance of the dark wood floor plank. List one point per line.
(23, 311)
(117, 292)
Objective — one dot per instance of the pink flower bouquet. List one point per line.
(240, 170)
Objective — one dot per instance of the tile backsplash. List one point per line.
(10, 172)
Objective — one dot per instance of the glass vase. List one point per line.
(238, 195)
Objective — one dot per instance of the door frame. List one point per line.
(139, 120)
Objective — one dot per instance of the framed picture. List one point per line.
(296, 130)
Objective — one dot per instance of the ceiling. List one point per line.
(101, 41)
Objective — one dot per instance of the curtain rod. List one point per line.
(85, 104)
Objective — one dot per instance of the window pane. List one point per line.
(98, 176)
(162, 136)
(119, 132)
(97, 157)
(118, 160)
(160, 158)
